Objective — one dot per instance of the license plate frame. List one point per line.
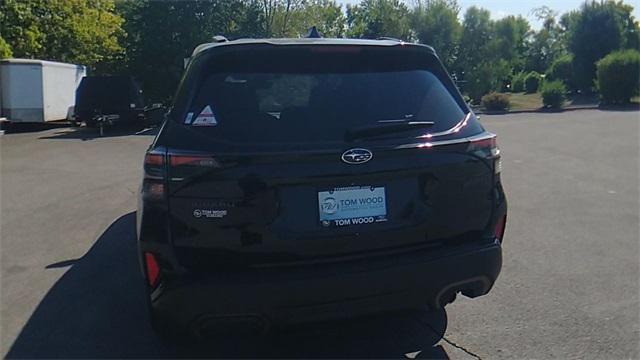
(352, 206)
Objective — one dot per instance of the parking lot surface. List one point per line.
(569, 288)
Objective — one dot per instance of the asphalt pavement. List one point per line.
(70, 285)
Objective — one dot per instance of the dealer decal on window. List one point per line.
(206, 118)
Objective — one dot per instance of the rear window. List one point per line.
(317, 96)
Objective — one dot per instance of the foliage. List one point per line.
(618, 76)
(496, 101)
(532, 82)
(546, 44)
(77, 31)
(5, 49)
(486, 77)
(371, 19)
(509, 40)
(562, 69)
(553, 94)
(162, 34)
(435, 23)
(517, 82)
(326, 15)
(476, 35)
(594, 31)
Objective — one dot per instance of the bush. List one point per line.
(618, 76)
(562, 69)
(5, 49)
(532, 82)
(496, 101)
(485, 78)
(553, 94)
(517, 82)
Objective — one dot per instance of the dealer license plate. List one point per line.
(352, 206)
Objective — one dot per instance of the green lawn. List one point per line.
(522, 101)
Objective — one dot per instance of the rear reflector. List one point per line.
(500, 227)
(153, 270)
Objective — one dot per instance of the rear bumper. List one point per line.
(291, 295)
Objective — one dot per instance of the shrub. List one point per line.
(532, 82)
(485, 78)
(517, 82)
(5, 49)
(562, 69)
(496, 101)
(618, 76)
(553, 94)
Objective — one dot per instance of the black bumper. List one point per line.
(290, 295)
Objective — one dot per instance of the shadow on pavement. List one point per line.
(96, 310)
(85, 133)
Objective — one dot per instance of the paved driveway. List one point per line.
(569, 287)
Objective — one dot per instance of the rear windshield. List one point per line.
(317, 96)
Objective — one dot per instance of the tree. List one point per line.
(547, 43)
(377, 18)
(5, 49)
(78, 31)
(325, 15)
(594, 31)
(509, 42)
(476, 36)
(162, 34)
(435, 23)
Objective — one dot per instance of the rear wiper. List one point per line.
(386, 127)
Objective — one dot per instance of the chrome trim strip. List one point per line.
(457, 127)
(483, 136)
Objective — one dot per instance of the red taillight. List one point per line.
(192, 160)
(485, 143)
(489, 146)
(154, 176)
(153, 270)
(154, 159)
(500, 227)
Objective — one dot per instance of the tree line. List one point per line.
(149, 39)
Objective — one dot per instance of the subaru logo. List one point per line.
(356, 156)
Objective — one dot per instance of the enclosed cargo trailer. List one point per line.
(37, 90)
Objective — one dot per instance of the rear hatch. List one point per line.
(286, 154)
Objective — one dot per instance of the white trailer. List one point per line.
(37, 90)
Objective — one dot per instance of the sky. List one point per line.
(502, 8)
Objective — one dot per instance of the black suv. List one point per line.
(296, 180)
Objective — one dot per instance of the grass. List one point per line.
(522, 101)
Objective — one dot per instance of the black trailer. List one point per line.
(103, 101)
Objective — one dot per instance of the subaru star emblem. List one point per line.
(356, 156)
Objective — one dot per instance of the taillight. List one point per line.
(153, 185)
(489, 146)
(153, 270)
(500, 227)
(192, 160)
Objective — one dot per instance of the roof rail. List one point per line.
(219, 39)
(313, 33)
(389, 38)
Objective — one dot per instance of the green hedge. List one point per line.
(562, 69)
(553, 94)
(532, 82)
(496, 101)
(618, 76)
